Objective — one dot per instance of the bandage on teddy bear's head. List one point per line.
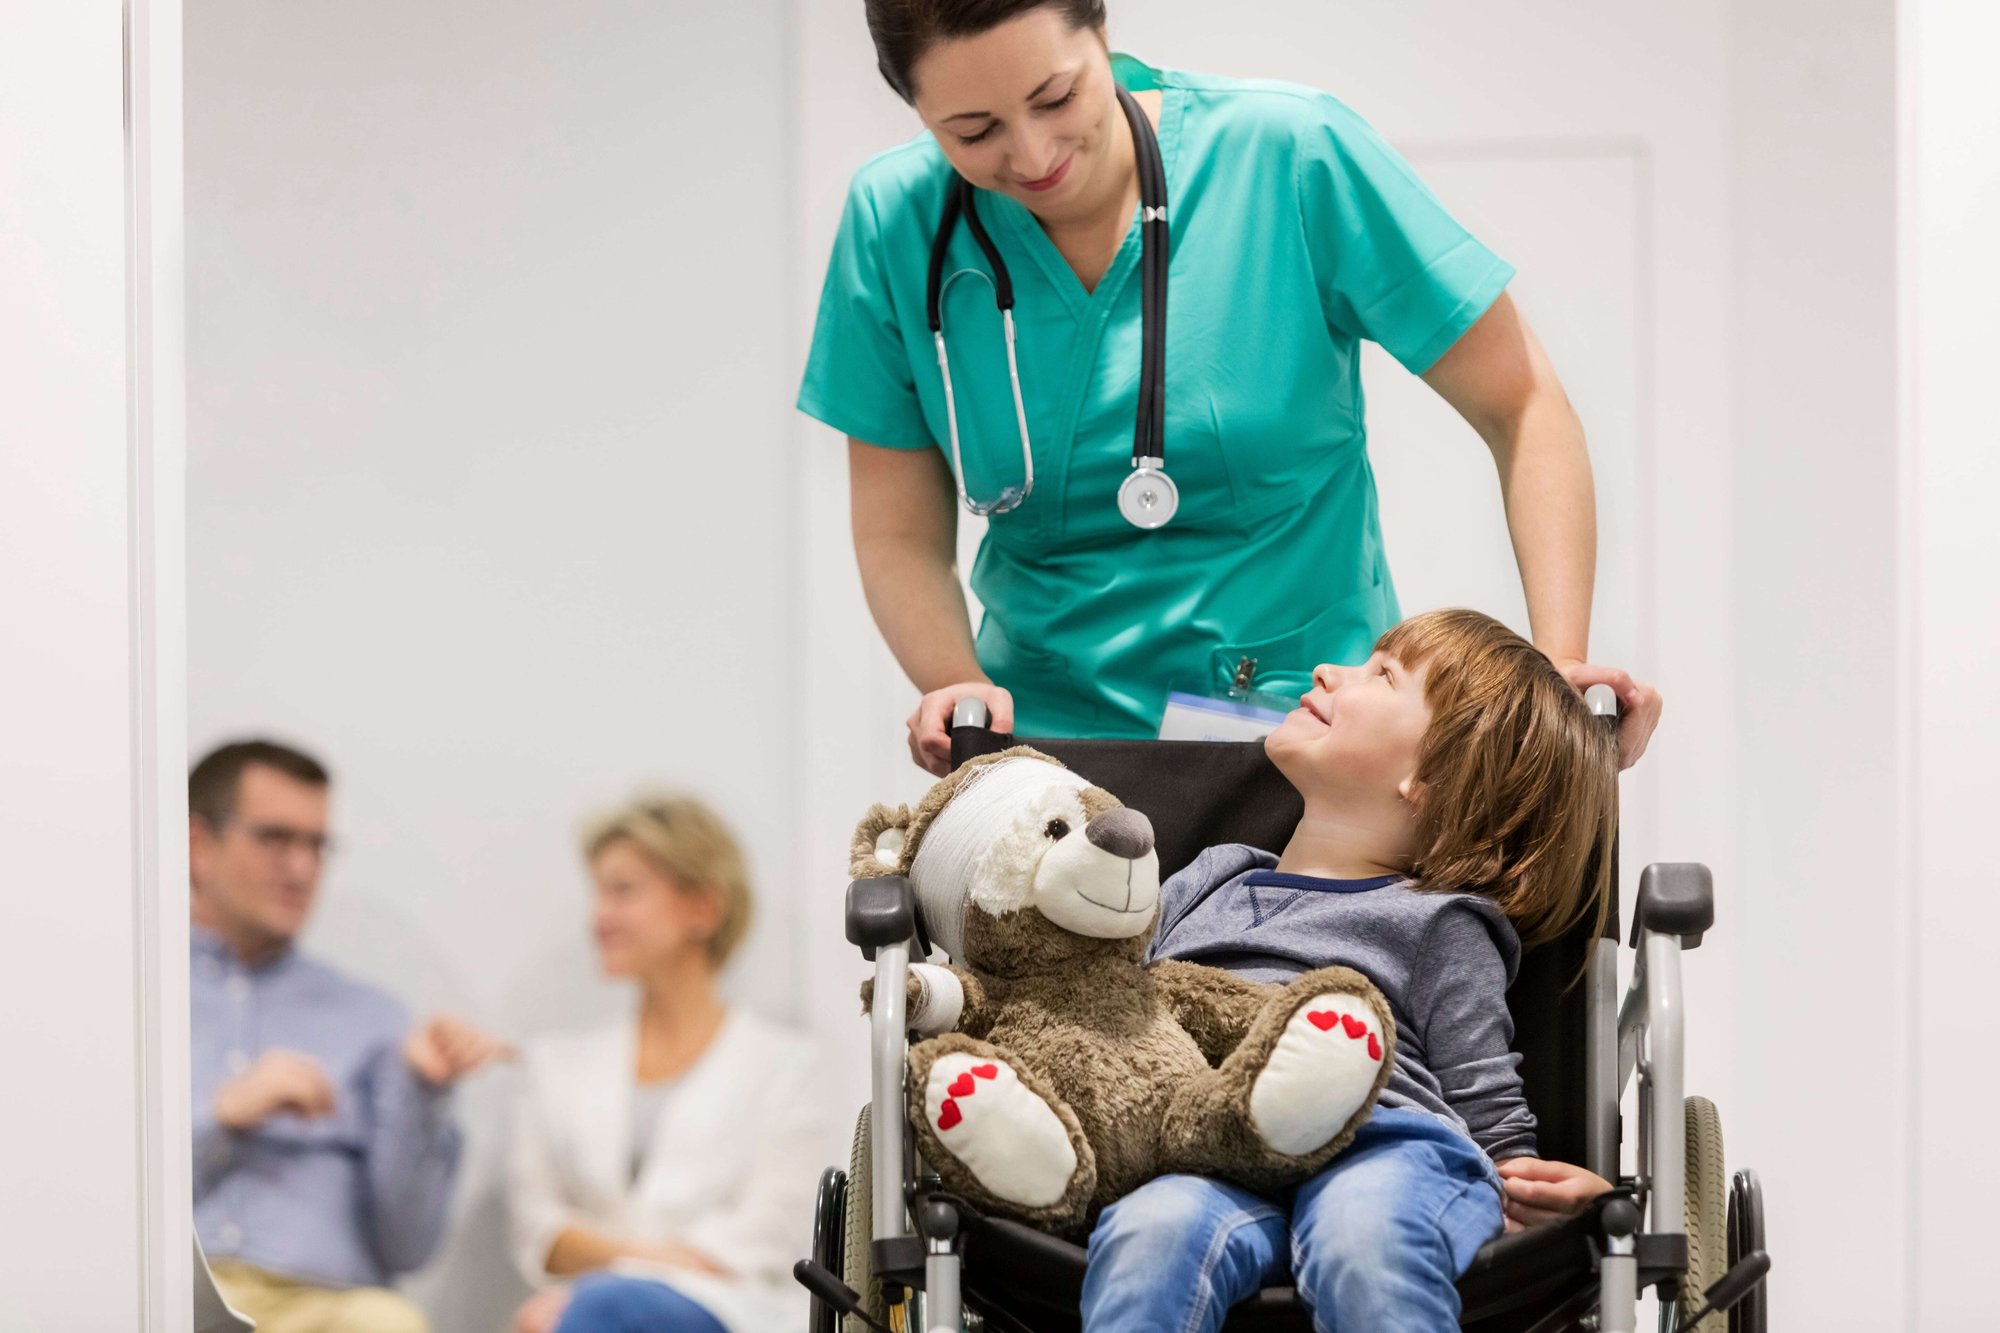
(1015, 859)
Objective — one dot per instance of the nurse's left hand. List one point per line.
(1639, 704)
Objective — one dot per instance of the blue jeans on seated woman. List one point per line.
(611, 1303)
(1377, 1240)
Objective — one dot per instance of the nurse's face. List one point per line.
(1355, 734)
(1029, 110)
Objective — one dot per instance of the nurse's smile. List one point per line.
(1029, 109)
(1053, 179)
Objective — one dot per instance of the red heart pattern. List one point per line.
(1326, 1020)
(963, 1086)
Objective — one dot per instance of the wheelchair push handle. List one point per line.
(971, 731)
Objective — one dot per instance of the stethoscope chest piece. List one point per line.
(1148, 497)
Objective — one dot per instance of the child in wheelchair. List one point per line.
(1458, 794)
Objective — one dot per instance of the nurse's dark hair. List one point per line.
(1518, 778)
(904, 29)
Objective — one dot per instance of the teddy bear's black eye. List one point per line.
(1057, 829)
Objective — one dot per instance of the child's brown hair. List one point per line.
(1518, 780)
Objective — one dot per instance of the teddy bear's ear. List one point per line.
(878, 841)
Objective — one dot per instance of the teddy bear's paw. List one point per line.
(1011, 1140)
(1320, 1072)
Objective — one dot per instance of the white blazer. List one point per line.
(731, 1168)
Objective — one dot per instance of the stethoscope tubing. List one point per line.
(1149, 429)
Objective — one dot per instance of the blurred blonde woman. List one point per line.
(663, 1167)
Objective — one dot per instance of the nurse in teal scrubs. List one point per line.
(1296, 233)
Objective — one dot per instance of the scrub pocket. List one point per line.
(1282, 664)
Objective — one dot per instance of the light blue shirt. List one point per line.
(350, 1199)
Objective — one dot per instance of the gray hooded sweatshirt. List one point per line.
(1443, 960)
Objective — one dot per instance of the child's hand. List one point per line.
(1535, 1190)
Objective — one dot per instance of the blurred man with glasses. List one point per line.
(324, 1147)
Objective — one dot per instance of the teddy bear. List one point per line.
(1058, 1071)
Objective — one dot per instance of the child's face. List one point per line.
(1356, 732)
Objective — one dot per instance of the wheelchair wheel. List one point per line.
(1707, 1217)
(829, 1240)
(1746, 1235)
(860, 1228)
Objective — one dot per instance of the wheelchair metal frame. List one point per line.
(1643, 1238)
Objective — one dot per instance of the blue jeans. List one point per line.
(1376, 1241)
(611, 1303)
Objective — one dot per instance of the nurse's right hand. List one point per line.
(930, 725)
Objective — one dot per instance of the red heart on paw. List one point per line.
(987, 1071)
(949, 1116)
(961, 1086)
(1374, 1048)
(1353, 1026)
(1323, 1019)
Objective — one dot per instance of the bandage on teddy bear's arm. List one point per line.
(940, 999)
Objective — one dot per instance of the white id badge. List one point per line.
(1191, 716)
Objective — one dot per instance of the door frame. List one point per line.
(156, 444)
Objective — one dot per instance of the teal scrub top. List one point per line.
(1296, 233)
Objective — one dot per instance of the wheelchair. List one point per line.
(892, 1252)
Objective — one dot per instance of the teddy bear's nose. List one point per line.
(1122, 832)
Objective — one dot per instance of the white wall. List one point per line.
(489, 432)
(1813, 339)
(1948, 552)
(93, 1125)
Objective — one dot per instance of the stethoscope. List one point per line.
(1147, 497)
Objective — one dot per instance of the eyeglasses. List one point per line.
(279, 839)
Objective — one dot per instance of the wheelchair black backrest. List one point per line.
(1199, 793)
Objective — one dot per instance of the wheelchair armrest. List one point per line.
(1675, 898)
(882, 909)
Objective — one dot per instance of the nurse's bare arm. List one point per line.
(905, 519)
(1501, 381)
